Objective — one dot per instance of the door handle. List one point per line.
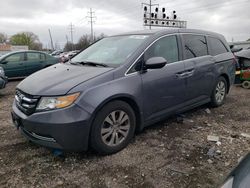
(190, 72)
(185, 74)
(181, 74)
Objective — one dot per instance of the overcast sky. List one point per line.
(228, 17)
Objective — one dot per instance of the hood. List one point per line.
(58, 79)
(243, 53)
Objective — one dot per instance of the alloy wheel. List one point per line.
(220, 91)
(115, 128)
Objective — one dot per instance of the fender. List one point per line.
(128, 89)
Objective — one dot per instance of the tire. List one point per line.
(246, 84)
(219, 92)
(113, 128)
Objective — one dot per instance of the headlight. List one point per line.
(51, 103)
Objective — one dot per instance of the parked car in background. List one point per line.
(65, 56)
(56, 53)
(3, 78)
(121, 84)
(243, 68)
(24, 63)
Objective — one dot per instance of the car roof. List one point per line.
(169, 31)
(22, 51)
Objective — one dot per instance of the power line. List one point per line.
(210, 6)
(91, 16)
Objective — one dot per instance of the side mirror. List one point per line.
(155, 63)
(3, 62)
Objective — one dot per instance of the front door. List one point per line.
(163, 89)
(14, 65)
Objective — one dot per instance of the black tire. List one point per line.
(97, 140)
(215, 102)
(246, 84)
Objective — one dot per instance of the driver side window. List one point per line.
(165, 47)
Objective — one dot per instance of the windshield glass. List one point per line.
(112, 51)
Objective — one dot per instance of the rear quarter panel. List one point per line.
(224, 64)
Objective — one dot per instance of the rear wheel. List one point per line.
(219, 92)
(113, 128)
(246, 84)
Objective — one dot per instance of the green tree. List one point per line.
(3, 38)
(26, 38)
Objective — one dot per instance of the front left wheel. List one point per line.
(113, 128)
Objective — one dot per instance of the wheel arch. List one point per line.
(227, 80)
(125, 98)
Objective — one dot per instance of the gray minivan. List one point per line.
(120, 85)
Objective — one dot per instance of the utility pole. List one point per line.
(71, 29)
(51, 41)
(91, 21)
(67, 39)
(150, 5)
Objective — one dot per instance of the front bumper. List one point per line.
(3, 82)
(66, 129)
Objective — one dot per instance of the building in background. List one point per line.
(6, 48)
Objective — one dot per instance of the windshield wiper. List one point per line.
(90, 63)
(72, 63)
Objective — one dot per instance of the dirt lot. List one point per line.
(170, 154)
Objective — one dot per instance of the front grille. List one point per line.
(26, 103)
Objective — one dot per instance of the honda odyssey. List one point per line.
(120, 85)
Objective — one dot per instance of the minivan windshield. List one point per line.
(111, 51)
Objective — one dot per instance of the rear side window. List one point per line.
(42, 57)
(217, 47)
(195, 46)
(165, 47)
(33, 56)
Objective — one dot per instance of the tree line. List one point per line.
(32, 41)
(83, 42)
(23, 38)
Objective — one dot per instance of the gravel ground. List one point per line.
(170, 154)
